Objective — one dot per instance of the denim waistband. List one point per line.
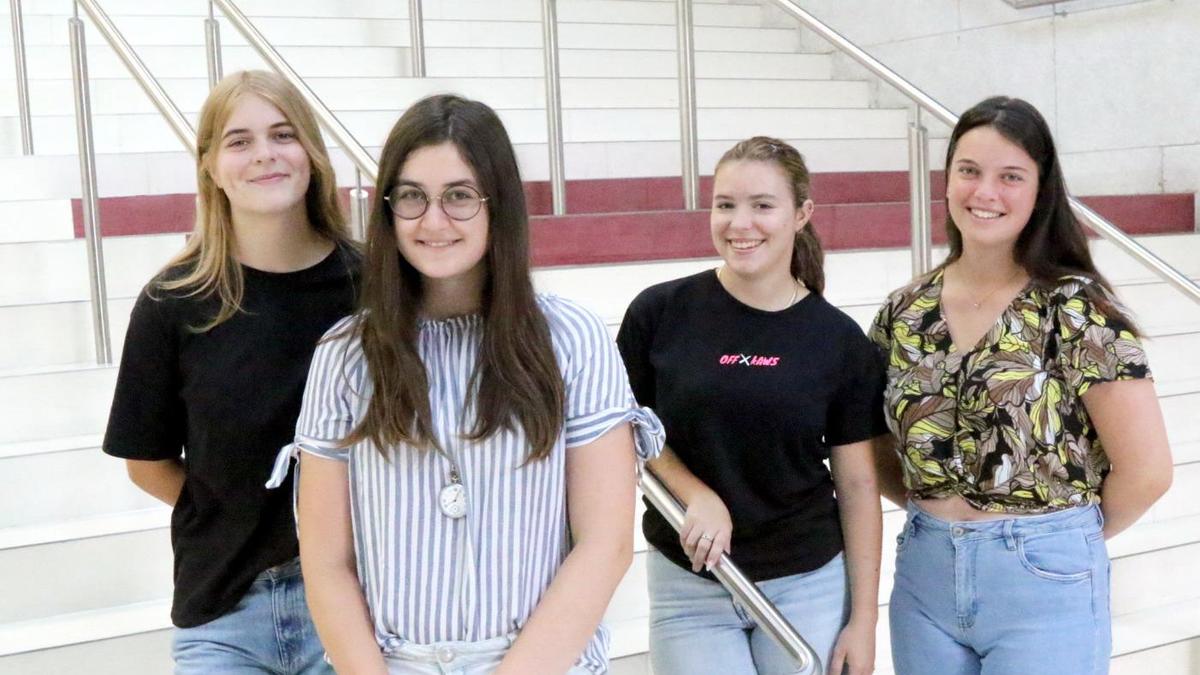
(285, 570)
(1087, 518)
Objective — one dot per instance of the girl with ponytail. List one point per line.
(758, 380)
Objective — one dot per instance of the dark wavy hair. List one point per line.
(516, 380)
(1052, 244)
(808, 258)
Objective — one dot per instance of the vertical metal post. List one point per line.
(416, 31)
(212, 47)
(87, 175)
(359, 208)
(18, 38)
(919, 196)
(689, 148)
(554, 133)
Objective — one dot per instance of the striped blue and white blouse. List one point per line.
(428, 578)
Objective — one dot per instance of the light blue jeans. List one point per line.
(1025, 595)
(268, 631)
(454, 658)
(696, 626)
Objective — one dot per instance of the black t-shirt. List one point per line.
(228, 400)
(752, 401)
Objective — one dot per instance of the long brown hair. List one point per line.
(1052, 244)
(206, 265)
(516, 380)
(808, 258)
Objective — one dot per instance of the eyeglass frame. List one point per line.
(428, 199)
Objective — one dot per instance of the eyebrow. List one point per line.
(966, 160)
(760, 195)
(232, 132)
(454, 183)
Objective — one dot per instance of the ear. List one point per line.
(804, 214)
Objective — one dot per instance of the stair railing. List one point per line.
(922, 237)
(22, 76)
(764, 613)
(89, 196)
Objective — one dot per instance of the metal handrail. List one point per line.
(212, 47)
(737, 583)
(158, 96)
(416, 37)
(1092, 219)
(554, 132)
(22, 73)
(341, 135)
(689, 150)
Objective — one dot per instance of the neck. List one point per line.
(772, 293)
(986, 267)
(278, 242)
(444, 298)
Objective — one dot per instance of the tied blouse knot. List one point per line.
(1003, 424)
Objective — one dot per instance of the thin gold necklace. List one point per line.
(791, 301)
(979, 303)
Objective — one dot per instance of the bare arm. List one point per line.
(706, 515)
(330, 576)
(862, 529)
(160, 478)
(1130, 425)
(887, 470)
(600, 501)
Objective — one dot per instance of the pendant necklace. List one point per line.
(979, 303)
(453, 497)
(791, 301)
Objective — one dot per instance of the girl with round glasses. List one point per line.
(758, 381)
(213, 371)
(467, 446)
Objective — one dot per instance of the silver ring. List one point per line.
(706, 536)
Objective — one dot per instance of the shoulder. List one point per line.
(925, 285)
(651, 301)
(568, 320)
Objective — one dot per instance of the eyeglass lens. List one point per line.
(459, 202)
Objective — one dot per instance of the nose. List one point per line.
(741, 218)
(988, 187)
(264, 151)
(435, 216)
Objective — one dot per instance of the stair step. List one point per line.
(77, 627)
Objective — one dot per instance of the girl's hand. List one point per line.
(854, 651)
(707, 529)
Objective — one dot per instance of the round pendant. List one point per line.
(453, 500)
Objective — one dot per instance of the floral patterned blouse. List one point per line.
(1002, 425)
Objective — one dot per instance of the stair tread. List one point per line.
(98, 624)
(83, 528)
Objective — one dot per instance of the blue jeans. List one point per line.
(268, 631)
(454, 658)
(1023, 595)
(697, 627)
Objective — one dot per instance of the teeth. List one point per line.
(987, 215)
(744, 245)
(437, 244)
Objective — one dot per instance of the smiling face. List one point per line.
(441, 248)
(754, 218)
(991, 189)
(260, 165)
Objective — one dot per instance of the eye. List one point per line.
(236, 143)
(966, 170)
(763, 206)
(458, 195)
(410, 194)
(1013, 178)
(286, 135)
(722, 206)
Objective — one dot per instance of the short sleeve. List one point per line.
(856, 411)
(335, 378)
(880, 332)
(598, 395)
(147, 419)
(1095, 346)
(634, 341)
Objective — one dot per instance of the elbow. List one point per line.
(1162, 481)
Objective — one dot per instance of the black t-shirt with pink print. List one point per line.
(752, 402)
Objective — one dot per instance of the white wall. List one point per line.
(1118, 80)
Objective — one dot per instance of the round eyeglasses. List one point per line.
(458, 202)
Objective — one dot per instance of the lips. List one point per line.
(269, 178)
(437, 244)
(744, 244)
(984, 214)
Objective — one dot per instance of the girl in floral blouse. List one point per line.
(1029, 430)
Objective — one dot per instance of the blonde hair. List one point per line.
(206, 265)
